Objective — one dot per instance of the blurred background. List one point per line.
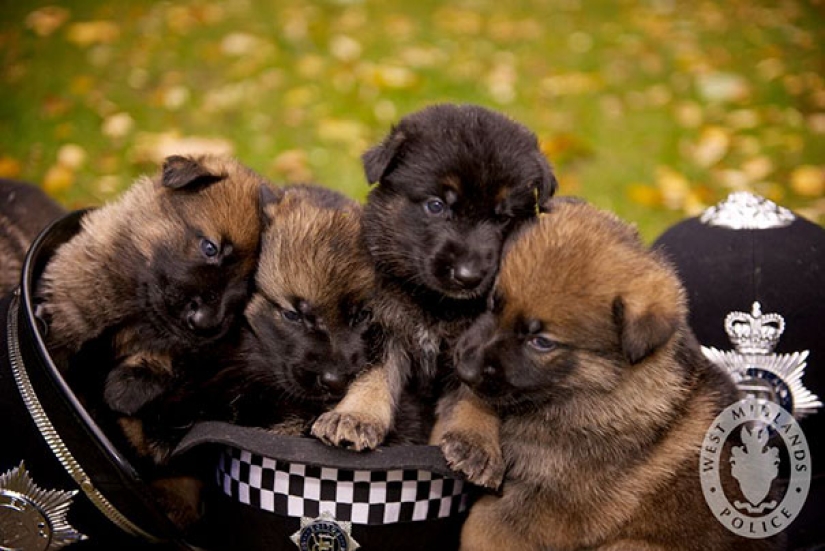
(654, 109)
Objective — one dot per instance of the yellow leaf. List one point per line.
(712, 146)
(58, 179)
(44, 21)
(293, 165)
(808, 180)
(9, 167)
(93, 32)
(71, 156)
(644, 195)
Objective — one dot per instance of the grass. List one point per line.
(652, 109)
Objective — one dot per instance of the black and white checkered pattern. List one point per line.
(360, 497)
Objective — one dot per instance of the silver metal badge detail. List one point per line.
(745, 211)
(32, 518)
(759, 372)
(324, 534)
(741, 486)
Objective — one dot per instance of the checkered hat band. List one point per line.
(360, 497)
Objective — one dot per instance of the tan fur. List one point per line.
(467, 430)
(297, 228)
(612, 462)
(364, 417)
(180, 497)
(81, 301)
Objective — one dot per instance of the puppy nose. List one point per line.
(335, 382)
(467, 274)
(203, 319)
(470, 373)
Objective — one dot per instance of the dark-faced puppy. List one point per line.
(25, 210)
(309, 323)
(161, 273)
(603, 393)
(453, 182)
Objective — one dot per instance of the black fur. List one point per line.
(488, 173)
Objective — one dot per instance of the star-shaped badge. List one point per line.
(325, 533)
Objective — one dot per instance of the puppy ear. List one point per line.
(546, 185)
(379, 161)
(185, 172)
(644, 327)
(269, 198)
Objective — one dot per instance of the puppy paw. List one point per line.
(354, 431)
(475, 457)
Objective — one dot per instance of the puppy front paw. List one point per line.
(475, 457)
(127, 389)
(354, 431)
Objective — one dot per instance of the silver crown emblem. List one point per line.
(754, 333)
(759, 372)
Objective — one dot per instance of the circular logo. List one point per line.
(743, 454)
(323, 535)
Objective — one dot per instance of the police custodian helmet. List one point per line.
(755, 277)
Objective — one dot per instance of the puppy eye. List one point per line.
(291, 316)
(435, 206)
(209, 248)
(361, 316)
(541, 344)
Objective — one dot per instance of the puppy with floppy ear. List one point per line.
(453, 182)
(309, 329)
(25, 210)
(603, 394)
(159, 274)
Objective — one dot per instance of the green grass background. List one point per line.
(652, 109)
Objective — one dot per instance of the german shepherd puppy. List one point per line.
(25, 210)
(453, 182)
(162, 273)
(603, 393)
(309, 328)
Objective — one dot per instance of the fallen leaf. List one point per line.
(44, 21)
(9, 167)
(645, 195)
(93, 32)
(71, 156)
(154, 148)
(117, 125)
(293, 165)
(808, 180)
(722, 87)
(712, 146)
(58, 179)
(344, 48)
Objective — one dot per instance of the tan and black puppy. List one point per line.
(603, 393)
(162, 273)
(453, 182)
(309, 328)
(25, 210)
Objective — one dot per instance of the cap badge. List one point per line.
(32, 518)
(756, 369)
(745, 211)
(324, 534)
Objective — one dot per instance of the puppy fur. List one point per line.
(603, 394)
(161, 273)
(453, 182)
(24, 212)
(309, 328)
